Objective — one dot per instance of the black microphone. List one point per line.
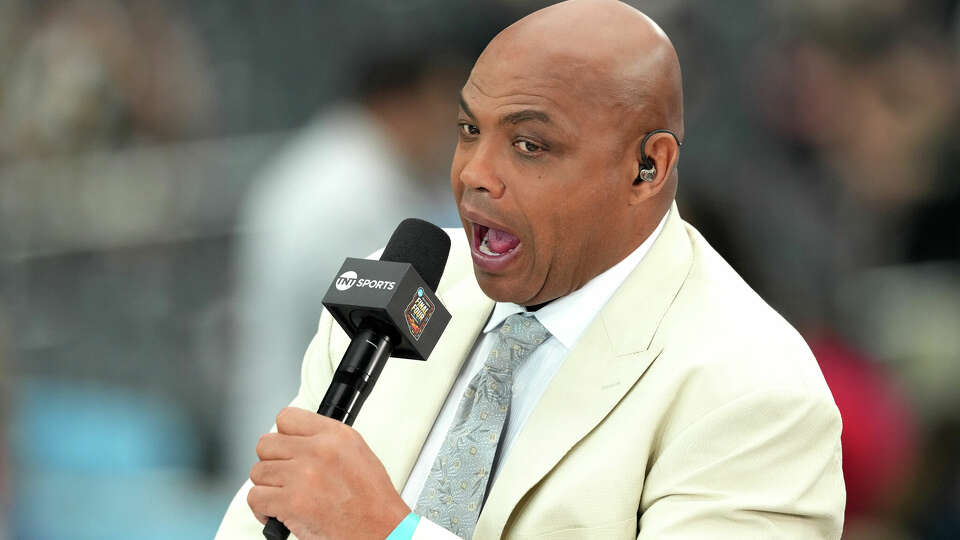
(388, 308)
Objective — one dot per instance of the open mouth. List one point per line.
(493, 242)
(494, 250)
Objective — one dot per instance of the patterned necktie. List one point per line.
(455, 488)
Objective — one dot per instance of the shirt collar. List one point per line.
(567, 317)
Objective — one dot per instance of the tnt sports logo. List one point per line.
(418, 313)
(346, 280)
(349, 278)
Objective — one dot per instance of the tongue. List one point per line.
(501, 241)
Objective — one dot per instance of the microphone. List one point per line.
(388, 308)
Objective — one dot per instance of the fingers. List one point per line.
(297, 434)
(265, 501)
(279, 446)
(294, 421)
(272, 473)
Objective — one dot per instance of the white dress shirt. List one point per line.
(566, 319)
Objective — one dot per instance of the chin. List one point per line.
(501, 288)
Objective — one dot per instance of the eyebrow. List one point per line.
(526, 115)
(466, 109)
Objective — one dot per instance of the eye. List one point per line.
(468, 130)
(528, 147)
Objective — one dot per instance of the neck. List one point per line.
(535, 307)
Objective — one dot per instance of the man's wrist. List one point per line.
(406, 528)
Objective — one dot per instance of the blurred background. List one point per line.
(178, 183)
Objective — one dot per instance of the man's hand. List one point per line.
(321, 480)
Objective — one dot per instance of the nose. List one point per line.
(480, 174)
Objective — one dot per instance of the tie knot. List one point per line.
(517, 337)
(526, 331)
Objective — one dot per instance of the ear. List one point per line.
(663, 151)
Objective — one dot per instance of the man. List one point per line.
(626, 383)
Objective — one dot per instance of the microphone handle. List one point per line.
(352, 382)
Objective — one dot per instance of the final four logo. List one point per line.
(418, 313)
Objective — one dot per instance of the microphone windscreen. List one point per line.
(422, 244)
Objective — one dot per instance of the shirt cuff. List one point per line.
(406, 528)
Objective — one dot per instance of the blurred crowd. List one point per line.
(180, 181)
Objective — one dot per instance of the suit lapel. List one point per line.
(400, 412)
(605, 364)
(588, 385)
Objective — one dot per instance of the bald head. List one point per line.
(615, 55)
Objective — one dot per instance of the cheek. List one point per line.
(455, 168)
(579, 213)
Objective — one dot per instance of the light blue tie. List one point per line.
(454, 491)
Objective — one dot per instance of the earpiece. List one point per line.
(647, 175)
(648, 170)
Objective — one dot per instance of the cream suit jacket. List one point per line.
(688, 409)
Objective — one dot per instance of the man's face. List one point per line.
(541, 179)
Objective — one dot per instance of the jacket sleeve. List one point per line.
(763, 465)
(317, 371)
